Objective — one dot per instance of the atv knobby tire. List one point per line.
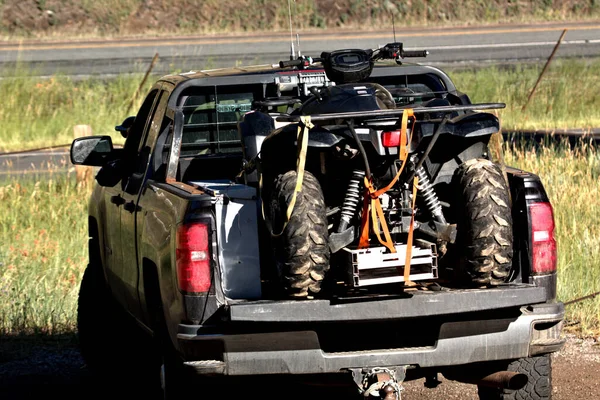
(484, 223)
(302, 249)
(539, 381)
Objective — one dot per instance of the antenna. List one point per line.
(292, 52)
(298, 44)
(394, 27)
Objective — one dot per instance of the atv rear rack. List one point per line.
(376, 266)
(392, 113)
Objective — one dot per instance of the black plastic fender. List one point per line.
(464, 125)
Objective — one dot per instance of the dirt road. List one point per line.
(576, 376)
(51, 371)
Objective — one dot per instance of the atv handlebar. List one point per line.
(414, 53)
(291, 63)
(301, 62)
(391, 51)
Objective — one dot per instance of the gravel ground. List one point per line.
(30, 371)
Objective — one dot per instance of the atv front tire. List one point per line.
(302, 249)
(539, 381)
(484, 223)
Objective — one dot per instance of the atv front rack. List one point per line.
(380, 114)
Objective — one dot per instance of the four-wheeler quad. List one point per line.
(370, 181)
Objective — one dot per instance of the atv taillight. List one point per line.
(193, 258)
(390, 139)
(542, 238)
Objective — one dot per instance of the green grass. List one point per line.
(43, 251)
(567, 96)
(43, 238)
(42, 112)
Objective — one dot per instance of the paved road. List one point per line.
(35, 164)
(448, 45)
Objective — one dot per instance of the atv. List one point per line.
(371, 183)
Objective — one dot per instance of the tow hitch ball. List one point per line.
(380, 383)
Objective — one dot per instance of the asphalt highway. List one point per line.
(470, 45)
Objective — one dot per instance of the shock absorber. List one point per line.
(353, 195)
(428, 193)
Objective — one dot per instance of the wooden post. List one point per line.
(84, 174)
(544, 70)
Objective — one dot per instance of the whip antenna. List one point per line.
(292, 52)
(394, 27)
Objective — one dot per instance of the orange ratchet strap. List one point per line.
(373, 194)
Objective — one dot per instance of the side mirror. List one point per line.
(92, 150)
(125, 125)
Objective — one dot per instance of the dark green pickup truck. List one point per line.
(180, 281)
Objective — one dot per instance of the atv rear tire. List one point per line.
(302, 249)
(484, 223)
(539, 381)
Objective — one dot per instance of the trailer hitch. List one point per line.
(381, 383)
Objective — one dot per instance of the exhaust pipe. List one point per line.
(504, 380)
(498, 380)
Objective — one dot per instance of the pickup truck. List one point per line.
(179, 286)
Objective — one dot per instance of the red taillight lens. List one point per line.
(390, 139)
(193, 258)
(542, 238)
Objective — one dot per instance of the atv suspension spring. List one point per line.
(428, 193)
(353, 196)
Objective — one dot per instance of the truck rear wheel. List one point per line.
(484, 223)
(539, 381)
(112, 346)
(302, 249)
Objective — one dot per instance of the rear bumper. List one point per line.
(534, 329)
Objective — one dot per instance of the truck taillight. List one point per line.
(542, 238)
(193, 258)
(390, 139)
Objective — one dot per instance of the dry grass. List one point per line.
(54, 18)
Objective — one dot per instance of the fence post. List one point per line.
(83, 173)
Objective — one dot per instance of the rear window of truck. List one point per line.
(211, 116)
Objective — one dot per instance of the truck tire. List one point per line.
(113, 347)
(484, 223)
(302, 249)
(97, 321)
(539, 381)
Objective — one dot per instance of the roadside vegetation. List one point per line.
(43, 232)
(43, 236)
(42, 112)
(59, 19)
